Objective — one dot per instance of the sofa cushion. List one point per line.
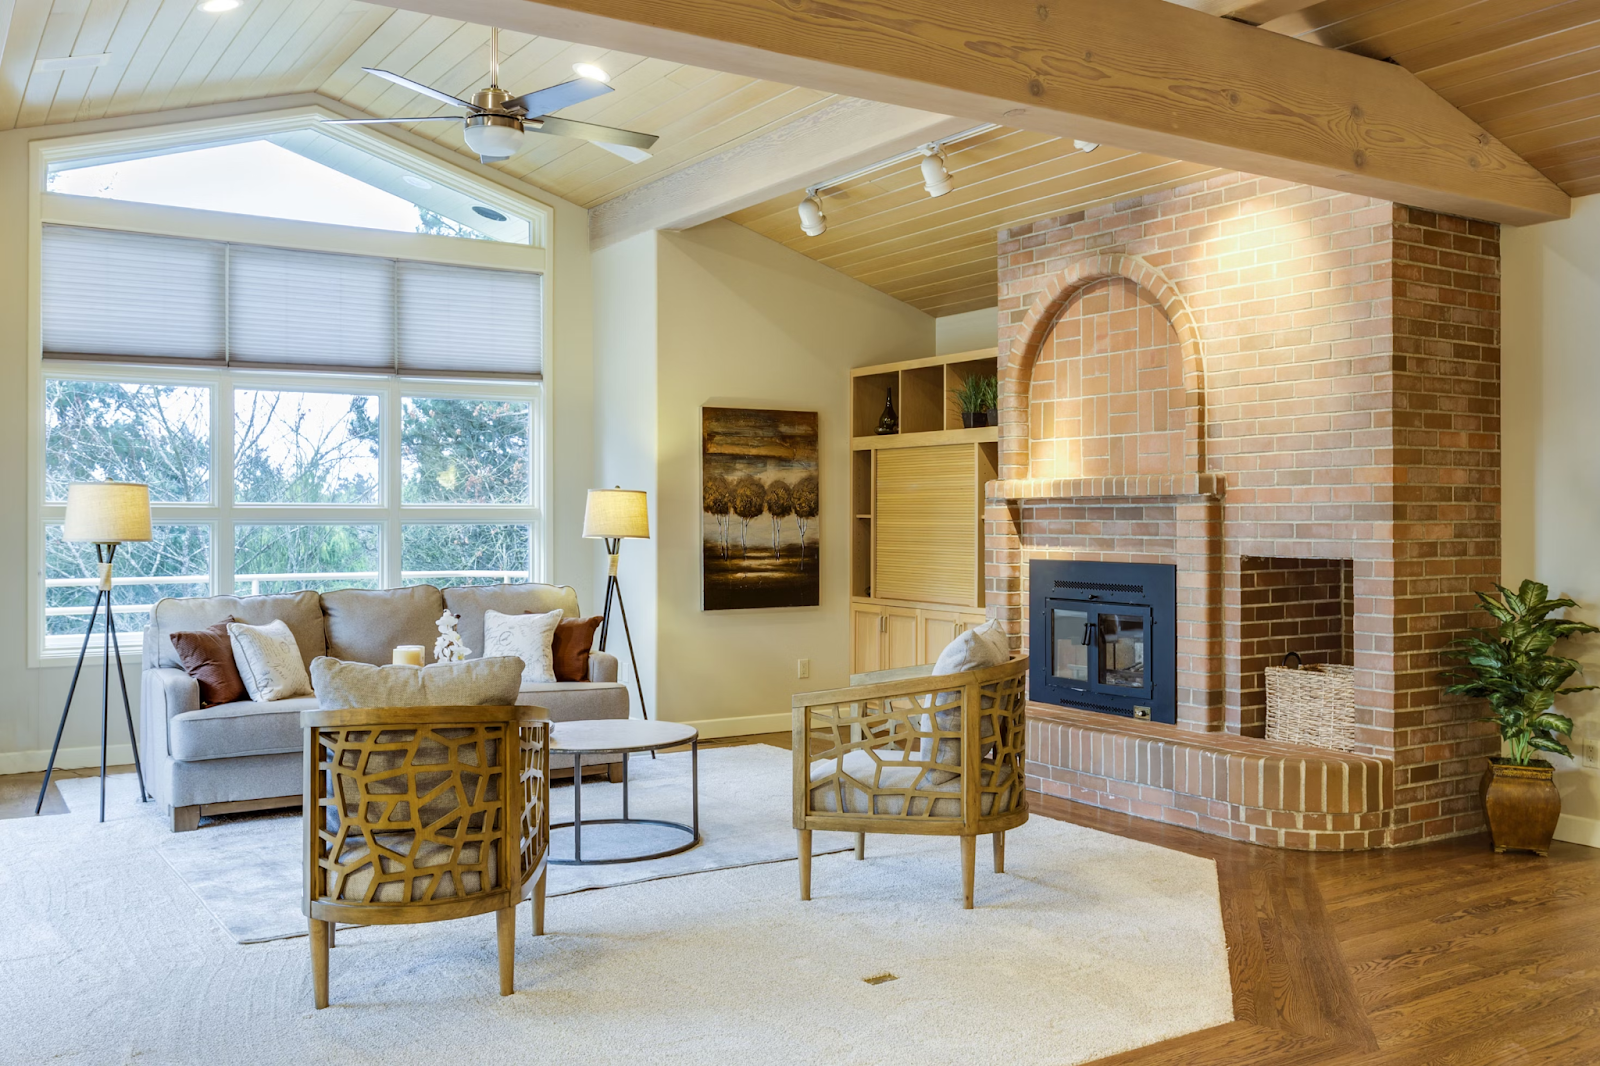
(572, 701)
(365, 625)
(269, 661)
(229, 730)
(470, 601)
(528, 637)
(207, 656)
(301, 611)
(477, 683)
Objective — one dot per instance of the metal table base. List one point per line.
(577, 823)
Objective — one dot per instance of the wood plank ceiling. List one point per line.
(167, 54)
(1527, 70)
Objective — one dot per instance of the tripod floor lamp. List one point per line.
(106, 514)
(611, 515)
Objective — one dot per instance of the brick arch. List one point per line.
(1020, 351)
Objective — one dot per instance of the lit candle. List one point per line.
(408, 655)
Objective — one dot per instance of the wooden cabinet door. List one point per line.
(926, 524)
(899, 638)
(866, 638)
(938, 629)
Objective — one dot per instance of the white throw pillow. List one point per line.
(976, 649)
(269, 661)
(528, 637)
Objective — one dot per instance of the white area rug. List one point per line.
(247, 870)
(1089, 945)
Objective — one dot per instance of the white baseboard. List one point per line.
(747, 725)
(1575, 830)
(27, 762)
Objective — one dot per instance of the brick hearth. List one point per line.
(1293, 396)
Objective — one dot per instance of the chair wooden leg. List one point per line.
(319, 963)
(538, 904)
(506, 926)
(969, 865)
(861, 845)
(333, 931)
(805, 864)
(1000, 852)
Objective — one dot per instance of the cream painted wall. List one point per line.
(740, 321)
(30, 699)
(1550, 393)
(967, 332)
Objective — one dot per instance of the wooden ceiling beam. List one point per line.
(841, 137)
(1140, 74)
(1255, 12)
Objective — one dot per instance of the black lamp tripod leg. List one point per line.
(72, 688)
(105, 706)
(127, 708)
(631, 657)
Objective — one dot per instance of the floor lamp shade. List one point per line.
(107, 512)
(615, 513)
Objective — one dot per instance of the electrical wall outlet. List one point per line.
(802, 668)
(1591, 753)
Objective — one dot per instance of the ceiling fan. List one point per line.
(496, 120)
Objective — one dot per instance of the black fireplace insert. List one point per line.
(1104, 637)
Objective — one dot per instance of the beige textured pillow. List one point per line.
(474, 683)
(528, 637)
(269, 661)
(976, 649)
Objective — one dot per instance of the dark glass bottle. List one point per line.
(888, 422)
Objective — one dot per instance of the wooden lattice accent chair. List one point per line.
(422, 814)
(902, 755)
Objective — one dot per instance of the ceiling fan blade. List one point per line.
(588, 131)
(626, 151)
(544, 101)
(418, 87)
(377, 121)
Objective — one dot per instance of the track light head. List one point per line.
(935, 178)
(1085, 146)
(812, 222)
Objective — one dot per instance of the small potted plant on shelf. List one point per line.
(978, 397)
(1512, 667)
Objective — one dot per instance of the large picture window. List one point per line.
(342, 482)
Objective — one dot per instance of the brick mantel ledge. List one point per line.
(1280, 795)
(1102, 488)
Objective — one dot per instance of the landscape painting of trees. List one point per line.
(759, 498)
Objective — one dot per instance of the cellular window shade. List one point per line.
(310, 308)
(466, 319)
(131, 295)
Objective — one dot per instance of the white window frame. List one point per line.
(221, 513)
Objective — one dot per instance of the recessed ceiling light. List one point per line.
(590, 71)
(416, 182)
(216, 7)
(488, 212)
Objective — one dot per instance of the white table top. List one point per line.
(613, 735)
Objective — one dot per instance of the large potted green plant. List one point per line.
(1511, 666)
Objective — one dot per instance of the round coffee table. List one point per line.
(622, 736)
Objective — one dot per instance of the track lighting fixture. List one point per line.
(812, 222)
(935, 178)
(1085, 146)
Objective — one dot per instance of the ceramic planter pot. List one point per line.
(970, 419)
(1522, 804)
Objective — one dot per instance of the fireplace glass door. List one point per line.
(1101, 647)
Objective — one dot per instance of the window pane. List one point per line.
(304, 447)
(480, 554)
(177, 562)
(465, 451)
(270, 559)
(110, 431)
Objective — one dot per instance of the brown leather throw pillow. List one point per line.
(570, 650)
(207, 656)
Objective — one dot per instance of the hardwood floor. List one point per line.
(1439, 955)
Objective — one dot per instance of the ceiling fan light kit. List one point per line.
(496, 120)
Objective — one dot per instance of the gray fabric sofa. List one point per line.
(248, 756)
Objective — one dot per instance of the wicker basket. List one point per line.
(1314, 705)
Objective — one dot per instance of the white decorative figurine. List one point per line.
(448, 648)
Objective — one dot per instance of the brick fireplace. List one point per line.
(1292, 396)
